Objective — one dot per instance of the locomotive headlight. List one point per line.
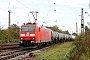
(32, 34)
(22, 35)
(33, 38)
(20, 41)
(21, 38)
(32, 41)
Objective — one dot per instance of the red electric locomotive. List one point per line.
(34, 35)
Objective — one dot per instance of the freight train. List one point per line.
(36, 35)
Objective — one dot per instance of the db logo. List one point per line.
(27, 34)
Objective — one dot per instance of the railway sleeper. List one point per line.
(12, 55)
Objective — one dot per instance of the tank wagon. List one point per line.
(36, 35)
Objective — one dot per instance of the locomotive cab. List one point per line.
(34, 35)
(27, 35)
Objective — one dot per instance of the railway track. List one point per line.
(18, 54)
(21, 54)
(9, 46)
(12, 54)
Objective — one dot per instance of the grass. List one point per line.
(56, 52)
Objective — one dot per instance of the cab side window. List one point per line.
(39, 29)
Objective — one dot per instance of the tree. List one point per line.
(81, 50)
(14, 32)
(55, 28)
(66, 32)
(10, 34)
(86, 28)
(3, 36)
(1, 32)
(75, 34)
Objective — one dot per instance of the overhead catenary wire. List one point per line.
(47, 10)
(30, 9)
(11, 5)
(57, 10)
(3, 9)
(23, 4)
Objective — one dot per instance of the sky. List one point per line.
(63, 13)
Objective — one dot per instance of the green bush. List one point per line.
(81, 51)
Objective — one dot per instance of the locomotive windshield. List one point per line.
(28, 28)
